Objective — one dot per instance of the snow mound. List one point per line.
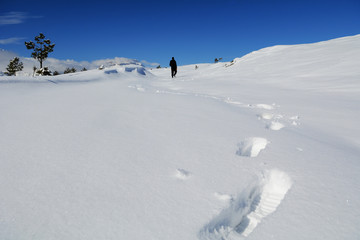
(138, 69)
(126, 68)
(249, 208)
(251, 147)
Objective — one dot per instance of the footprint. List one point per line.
(295, 120)
(294, 123)
(275, 126)
(249, 208)
(251, 147)
(182, 174)
(266, 116)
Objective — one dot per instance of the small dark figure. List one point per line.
(173, 67)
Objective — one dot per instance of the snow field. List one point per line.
(265, 148)
(97, 149)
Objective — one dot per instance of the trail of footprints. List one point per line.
(260, 198)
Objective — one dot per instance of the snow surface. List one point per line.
(265, 147)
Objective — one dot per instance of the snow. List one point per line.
(54, 64)
(247, 211)
(266, 147)
(251, 147)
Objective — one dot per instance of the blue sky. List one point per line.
(193, 31)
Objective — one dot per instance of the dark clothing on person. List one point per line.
(173, 71)
(173, 67)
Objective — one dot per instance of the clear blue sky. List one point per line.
(193, 31)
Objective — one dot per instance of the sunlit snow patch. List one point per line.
(249, 208)
(275, 126)
(263, 106)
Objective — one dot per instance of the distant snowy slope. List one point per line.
(329, 60)
(309, 76)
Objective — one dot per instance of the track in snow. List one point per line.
(251, 147)
(249, 208)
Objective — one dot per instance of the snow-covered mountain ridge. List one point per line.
(266, 147)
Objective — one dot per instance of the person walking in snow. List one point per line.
(173, 67)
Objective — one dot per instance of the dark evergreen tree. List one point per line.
(42, 47)
(84, 69)
(69, 70)
(14, 66)
(43, 71)
(56, 73)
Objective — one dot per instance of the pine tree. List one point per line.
(69, 70)
(14, 66)
(42, 48)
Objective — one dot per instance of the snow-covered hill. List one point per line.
(265, 147)
(60, 65)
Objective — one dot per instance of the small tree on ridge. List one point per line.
(14, 66)
(42, 48)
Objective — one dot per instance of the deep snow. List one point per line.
(265, 147)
